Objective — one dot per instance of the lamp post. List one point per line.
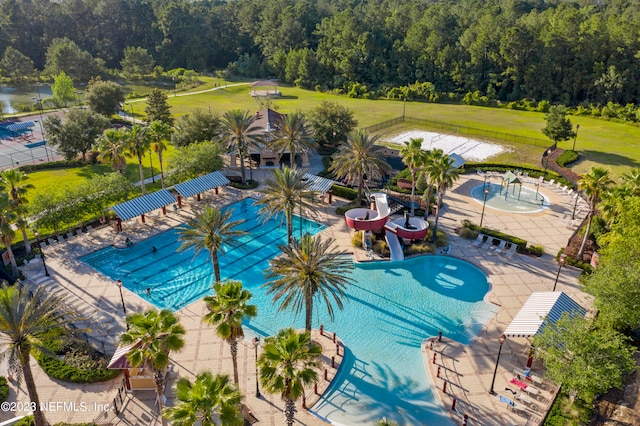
(46, 271)
(575, 137)
(256, 343)
(486, 192)
(560, 265)
(124, 308)
(546, 161)
(493, 381)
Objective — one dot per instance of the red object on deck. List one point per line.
(142, 217)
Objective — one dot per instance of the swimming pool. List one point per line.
(176, 279)
(389, 310)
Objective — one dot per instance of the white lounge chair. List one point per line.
(61, 239)
(52, 242)
(511, 251)
(502, 247)
(479, 240)
(43, 245)
(70, 235)
(89, 228)
(499, 248)
(79, 233)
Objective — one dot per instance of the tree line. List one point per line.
(574, 53)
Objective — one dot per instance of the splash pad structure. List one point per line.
(510, 195)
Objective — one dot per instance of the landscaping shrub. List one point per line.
(52, 165)
(536, 250)
(422, 247)
(25, 421)
(356, 240)
(74, 361)
(567, 157)
(249, 184)
(468, 233)
(4, 389)
(344, 192)
(382, 248)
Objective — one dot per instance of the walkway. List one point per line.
(512, 280)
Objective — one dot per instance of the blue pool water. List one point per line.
(390, 309)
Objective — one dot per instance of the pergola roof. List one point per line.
(119, 359)
(317, 183)
(23, 125)
(540, 306)
(201, 184)
(264, 83)
(146, 203)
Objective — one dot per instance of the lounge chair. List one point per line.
(61, 239)
(52, 242)
(70, 235)
(479, 240)
(501, 247)
(89, 228)
(551, 182)
(511, 251)
(527, 400)
(79, 233)
(43, 245)
(530, 377)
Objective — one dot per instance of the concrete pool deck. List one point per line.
(512, 279)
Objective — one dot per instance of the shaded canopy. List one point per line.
(201, 184)
(144, 204)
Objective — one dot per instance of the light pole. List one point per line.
(486, 192)
(575, 206)
(560, 265)
(546, 161)
(124, 308)
(575, 137)
(493, 381)
(46, 271)
(256, 343)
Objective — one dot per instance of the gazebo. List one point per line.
(265, 88)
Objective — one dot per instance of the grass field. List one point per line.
(614, 146)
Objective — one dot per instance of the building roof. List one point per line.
(267, 119)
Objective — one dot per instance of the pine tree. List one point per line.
(157, 108)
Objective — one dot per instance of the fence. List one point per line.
(463, 130)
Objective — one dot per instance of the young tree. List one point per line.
(228, 308)
(283, 194)
(78, 134)
(288, 364)
(443, 175)
(331, 123)
(359, 157)
(211, 230)
(206, 401)
(154, 335)
(137, 61)
(559, 127)
(13, 182)
(593, 184)
(293, 135)
(157, 108)
(63, 90)
(196, 127)
(194, 160)
(26, 316)
(308, 269)
(14, 64)
(414, 157)
(104, 97)
(587, 360)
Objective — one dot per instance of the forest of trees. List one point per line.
(561, 51)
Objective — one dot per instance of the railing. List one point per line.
(463, 130)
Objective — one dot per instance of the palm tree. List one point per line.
(240, 133)
(213, 230)
(293, 135)
(159, 133)
(308, 269)
(155, 334)
(283, 194)
(8, 218)
(632, 181)
(594, 184)
(414, 157)
(206, 399)
(138, 143)
(112, 149)
(227, 309)
(25, 317)
(288, 364)
(359, 158)
(443, 175)
(13, 181)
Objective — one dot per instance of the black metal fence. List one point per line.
(456, 128)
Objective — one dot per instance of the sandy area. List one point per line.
(469, 149)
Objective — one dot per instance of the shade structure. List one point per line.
(458, 161)
(17, 127)
(119, 359)
(201, 184)
(144, 204)
(317, 183)
(540, 306)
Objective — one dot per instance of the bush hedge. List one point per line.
(4, 389)
(28, 421)
(249, 184)
(74, 361)
(567, 157)
(52, 165)
(344, 192)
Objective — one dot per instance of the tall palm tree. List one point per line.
(240, 133)
(632, 181)
(359, 157)
(443, 175)
(414, 157)
(292, 134)
(204, 401)
(213, 230)
(8, 218)
(308, 269)
(283, 194)
(112, 148)
(138, 144)
(594, 184)
(287, 364)
(160, 134)
(13, 181)
(156, 334)
(227, 309)
(25, 317)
